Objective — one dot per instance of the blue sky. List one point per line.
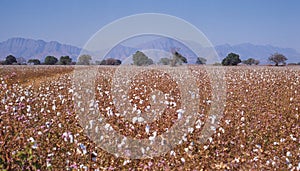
(275, 22)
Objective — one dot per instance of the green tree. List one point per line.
(201, 61)
(34, 61)
(251, 61)
(231, 60)
(178, 59)
(164, 61)
(277, 58)
(10, 59)
(50, 60)
(84, 60)
(65, 60)
(140, 59)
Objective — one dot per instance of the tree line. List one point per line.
(141, 59)
(49, 60)
(234, 59)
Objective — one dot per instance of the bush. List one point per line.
(109, 61)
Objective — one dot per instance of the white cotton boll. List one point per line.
(31, 139)
(199, 123)
(213, 118)
(140, 119)
(71, 138)
(152, 138)
(28, 108)
(134, 119)
(147, 129)
(22, 98)
(180, 113)
(142, 150)
(227, 122)
(34, 146)
(91, 123)
(208, 101)
(53, 107)
(126, 162)
(190, 130)
(153, 98)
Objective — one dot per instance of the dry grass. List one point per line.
(259, 130)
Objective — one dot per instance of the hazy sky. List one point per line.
(275, 22)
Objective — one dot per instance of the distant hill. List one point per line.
(29, 48)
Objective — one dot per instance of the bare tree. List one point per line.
(277, 58)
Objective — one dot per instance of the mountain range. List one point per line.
(39, 49)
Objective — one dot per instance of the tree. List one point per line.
(298, 63)
(65, 60)
(84, 60)
(10, 59)
(178, 59)
(201, 61)
(231, 60)
(21, 61)
(34, 61)
(50, 60)
(164, 61)
(251, 61)
(109, 61)
(140, 59)
(277, 58)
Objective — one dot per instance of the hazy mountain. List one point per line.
(29, 48)
(121, 52)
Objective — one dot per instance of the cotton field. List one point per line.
(196, 118)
